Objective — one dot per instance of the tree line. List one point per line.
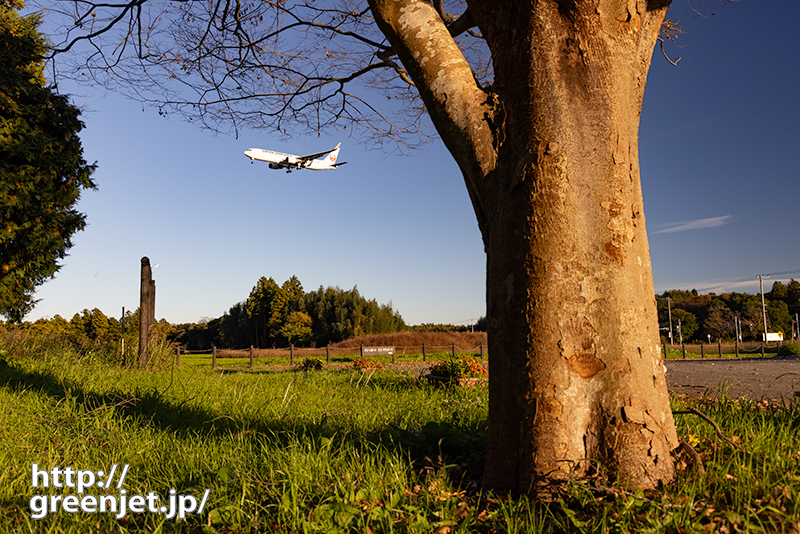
(701, 316)
(281, 315)
(271, 316)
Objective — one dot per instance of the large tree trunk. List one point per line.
(550, 158)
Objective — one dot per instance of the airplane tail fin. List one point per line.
(330, 159)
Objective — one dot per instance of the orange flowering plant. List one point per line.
(462, 367)
(359, 362)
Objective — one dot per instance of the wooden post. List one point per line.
(252, 359)
(719, 342)
(702, 350)
(291, 354)
(147, 310)
(737, 346)
(213, 356)
(424, 355)
(762, 348)
(454, 350)
(122, 325)
(394, 349)
(683, 348)
(361, 351)
(328, 353)
(481, 347)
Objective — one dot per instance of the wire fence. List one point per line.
(746, 349)
(423, 353)
(384, 354)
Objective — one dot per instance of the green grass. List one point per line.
(204, 360)
(342, 451)
(712, 352)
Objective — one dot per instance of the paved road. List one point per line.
(756, 378)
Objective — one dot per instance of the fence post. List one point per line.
(394, 349)
(454, 350)
(361, 351)
(702, 350)
(213, 356)
(719, 341)
(664, 346)
(328, 352)
(683, 348)
(251, 357)
(424, 356)
(178, 357)
(291, 354)
(737, 347)
(481, 347)
(762, 349)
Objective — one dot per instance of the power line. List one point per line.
(782, 273)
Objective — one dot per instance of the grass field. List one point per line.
(728, 350)
(241, 362)
(345, 451)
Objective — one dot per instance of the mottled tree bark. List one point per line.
(550, 158)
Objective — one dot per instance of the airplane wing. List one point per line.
(309, 157)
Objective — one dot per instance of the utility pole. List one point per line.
(669, 311)
(797, 323)
(763, 305)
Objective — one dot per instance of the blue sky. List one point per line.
(720, 165)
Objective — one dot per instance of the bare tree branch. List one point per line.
(230, 64)
(125, 9)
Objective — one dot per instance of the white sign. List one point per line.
(378, 351)
(774, 336)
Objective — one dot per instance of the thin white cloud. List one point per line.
(696, 224)
(706, 286)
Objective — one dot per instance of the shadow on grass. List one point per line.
(434, 445)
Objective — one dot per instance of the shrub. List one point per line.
(461, 367)
(310, 364)
(790, 348)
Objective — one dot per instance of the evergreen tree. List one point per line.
(793, 296)
(685, 325)
(42, 170)
(778, 292)
(237, 327)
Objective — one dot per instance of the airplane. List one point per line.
(290, 162)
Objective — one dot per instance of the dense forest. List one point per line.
(714, 317)
(278, 315)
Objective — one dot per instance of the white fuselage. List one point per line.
(280, 160)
